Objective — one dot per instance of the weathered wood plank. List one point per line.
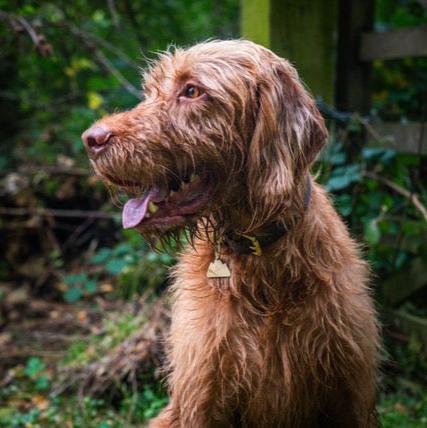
(302, 31)
(403, 137)
(353, 84)
(400, 43)
(255, 21)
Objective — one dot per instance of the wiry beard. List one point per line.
(205, 228)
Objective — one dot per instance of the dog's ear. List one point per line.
(289, 133)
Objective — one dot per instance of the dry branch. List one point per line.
(142, 352)
(48, 212)
(19, 23)
(413, 198)
(89, 41)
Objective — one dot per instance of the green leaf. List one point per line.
(372, 232)
(34, 366)
(378, 152)
(73, 294)
(94, 100)
(344, 204)
(122, 250)
(343, 176)
(152, 256)
(42, 383)
(101, 256)
(115, 266)
(90, 286)
(71, 280)
(401, 259)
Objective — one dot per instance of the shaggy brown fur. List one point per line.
(290, 339)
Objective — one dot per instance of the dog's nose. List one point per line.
(96, 139)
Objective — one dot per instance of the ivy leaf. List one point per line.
(115, 266)
(34, 366)
(90, 286)
(71, 280)
(73, 294)
(42, 383)
(372, 232)
(344, 204)
(101, 256)
(343, 176)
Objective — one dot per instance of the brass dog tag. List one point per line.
(218, 269)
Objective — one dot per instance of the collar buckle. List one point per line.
(255, 246)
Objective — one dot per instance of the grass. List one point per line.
(404, 409)
(30, 398)
(28, 402)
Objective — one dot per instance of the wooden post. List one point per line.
(302, 31)
(353, 89)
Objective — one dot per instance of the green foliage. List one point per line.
(77, 286)
(376, 213)
(51, 411)
(400, 85)
(49, 100)
(406, 408)
(117, 327)
(22, 407)
(62, 93)
(136, 266)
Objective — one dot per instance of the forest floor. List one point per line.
(39, 336)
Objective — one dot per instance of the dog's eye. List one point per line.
(192, 91)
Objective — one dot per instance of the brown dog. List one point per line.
(273, 324)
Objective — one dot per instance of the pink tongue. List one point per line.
(135, 209)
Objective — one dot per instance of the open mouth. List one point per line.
(170, 205)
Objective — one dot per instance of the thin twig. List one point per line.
(18, 23)
(114, 15)
(369, 128)
(47, 212)
(98, 40)
(105, 62)
(401, 191)
(53, 170)
(30, 30)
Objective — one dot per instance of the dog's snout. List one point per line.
(96, 139)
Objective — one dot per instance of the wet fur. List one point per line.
(291, 339)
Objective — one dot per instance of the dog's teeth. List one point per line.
(193, 177)
(152, 207)
(184, 186)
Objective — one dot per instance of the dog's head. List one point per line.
(225, 127)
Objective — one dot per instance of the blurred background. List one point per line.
(82, 306)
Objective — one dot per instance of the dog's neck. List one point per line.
(257, 241)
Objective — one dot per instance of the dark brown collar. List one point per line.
(255, 243)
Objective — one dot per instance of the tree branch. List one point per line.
(107, 45)
(47, 212)
(105, 62)
(18, 23)
(400, 190)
